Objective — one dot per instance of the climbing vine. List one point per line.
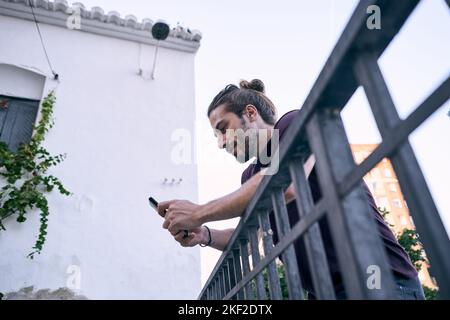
(27, 181)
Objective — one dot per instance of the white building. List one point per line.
(116, 126)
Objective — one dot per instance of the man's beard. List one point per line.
(247, 147)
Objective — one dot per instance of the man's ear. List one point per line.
(251, 112)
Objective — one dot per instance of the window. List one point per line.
(378, 187)
(383, 203)
(374, 186)
(17, 117)
(403, 221)
(375, 173)
(387, 173)
(392, 187)
(397, 203)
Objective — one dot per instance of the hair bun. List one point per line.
(255, 84)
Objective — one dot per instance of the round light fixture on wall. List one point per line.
(160, 30)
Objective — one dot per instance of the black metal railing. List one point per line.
(318, 130)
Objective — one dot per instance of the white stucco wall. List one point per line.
(116, 129)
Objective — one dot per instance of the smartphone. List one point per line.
(154, 204)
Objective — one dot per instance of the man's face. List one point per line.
(233, 133)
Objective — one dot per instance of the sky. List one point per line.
(285, 44)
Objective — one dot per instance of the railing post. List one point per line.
(246, 269)
(317, 259)
(289, 256)
(238, 271)
(222, 285)
(218, 288)
(226, 279)
(231, 274)
(208, 294)
(353, 229)
(274, 279)
(253, 236)
(214, 293)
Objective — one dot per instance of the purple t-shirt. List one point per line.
(398, 258)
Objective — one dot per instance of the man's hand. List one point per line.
(196, 236)
(179, 215)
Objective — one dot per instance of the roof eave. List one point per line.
(57, 18)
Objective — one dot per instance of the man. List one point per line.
(247, 109)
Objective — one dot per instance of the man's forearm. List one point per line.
(220, 238)
(231, 205)
(234, 204)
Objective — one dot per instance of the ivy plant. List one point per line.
(26, 177)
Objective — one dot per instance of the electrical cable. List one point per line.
(42, 41)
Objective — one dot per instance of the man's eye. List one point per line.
(221, 130)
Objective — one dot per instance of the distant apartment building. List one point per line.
(385, 188)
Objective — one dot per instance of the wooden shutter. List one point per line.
(17, 120)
